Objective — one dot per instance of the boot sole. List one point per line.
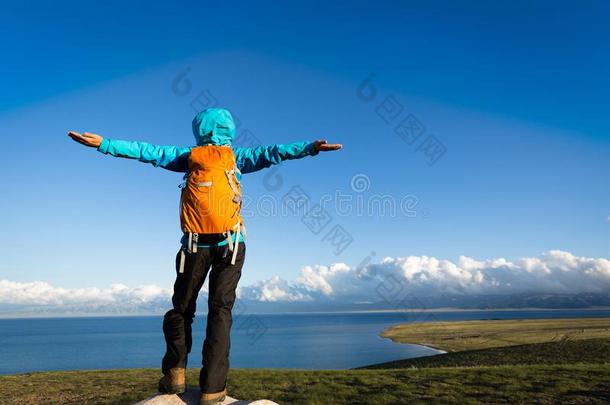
(212, 401)
(174, 389)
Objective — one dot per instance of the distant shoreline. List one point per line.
(455, 336)
(410, 310)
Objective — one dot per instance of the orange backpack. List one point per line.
(211, 198)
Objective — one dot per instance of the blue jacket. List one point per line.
(175, 158)
(213, 126)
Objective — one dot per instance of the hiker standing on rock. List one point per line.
(213, 239)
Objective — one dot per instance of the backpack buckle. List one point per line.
(194, 242)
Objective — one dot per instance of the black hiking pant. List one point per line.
(177, 323)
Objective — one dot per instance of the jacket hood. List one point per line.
(214, 126)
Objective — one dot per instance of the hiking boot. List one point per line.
(212, 399)
(174, 382)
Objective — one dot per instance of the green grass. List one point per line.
(590, 351)
(513, 384)
(468, 335)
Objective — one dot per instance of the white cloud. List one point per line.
(272, 290)
(553, 272)
(43, 297)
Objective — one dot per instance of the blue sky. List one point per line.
(515, 91)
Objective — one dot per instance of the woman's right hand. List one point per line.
(86, 138)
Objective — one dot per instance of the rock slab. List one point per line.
(191, 397)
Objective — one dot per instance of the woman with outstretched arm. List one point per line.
(213, 240)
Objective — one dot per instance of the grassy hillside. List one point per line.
(590, 351)
(468, 335)
(509, 384)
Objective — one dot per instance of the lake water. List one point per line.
(310, 341)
